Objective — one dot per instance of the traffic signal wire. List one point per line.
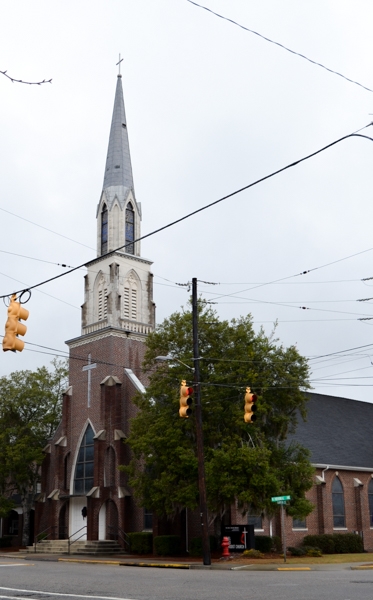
(49, 262)
(195, 212)
(314, 62)
(40, 291)
(319, 381)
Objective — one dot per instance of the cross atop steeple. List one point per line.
(118, 64)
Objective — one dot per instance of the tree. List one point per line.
(247, 463)
(30, 410)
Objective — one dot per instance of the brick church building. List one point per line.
(83, 494)
(82, 489)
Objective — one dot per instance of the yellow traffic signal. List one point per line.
(250, 406)
(185, 400)
(14, 327)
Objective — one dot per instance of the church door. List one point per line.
(76, 519)
(102, 522)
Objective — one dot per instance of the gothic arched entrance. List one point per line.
(108, 521)
(63, 522)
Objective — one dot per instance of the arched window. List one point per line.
(83, 480)
(130, 229)
(338, 503)
(370, 500)
(104, 229)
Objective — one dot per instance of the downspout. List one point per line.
(323, 471)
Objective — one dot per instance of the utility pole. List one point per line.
(199, 433)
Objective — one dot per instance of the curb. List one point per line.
(120, 563)
(158, 565)
(293, 569)
(89, 561)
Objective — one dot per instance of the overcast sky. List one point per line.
(210, 108)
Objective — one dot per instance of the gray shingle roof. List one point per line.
(118, 170)
(338, 431)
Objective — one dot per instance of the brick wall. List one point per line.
(110, 409)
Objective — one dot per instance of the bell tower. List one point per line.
(84, 494)
(119, 284)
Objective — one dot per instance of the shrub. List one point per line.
(263, 543)
(336, 543)
(310, 551)
(277, 544)
(297, 551)
(167, 545)
(196, 546)
(252, 553)
(345, 543)
(325, 542)
(6, 541)
(141, 543)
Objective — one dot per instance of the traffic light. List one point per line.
(250, 406)
(185, 400)
(14, 327)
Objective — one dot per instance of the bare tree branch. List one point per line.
(27, 82)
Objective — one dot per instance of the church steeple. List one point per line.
(118, 171)
(118, 213)
(119, 283)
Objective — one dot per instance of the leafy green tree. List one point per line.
(247, 463)
(30, 410)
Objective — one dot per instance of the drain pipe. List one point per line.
(323, 472)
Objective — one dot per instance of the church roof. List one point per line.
(118, 179)
(338, 431)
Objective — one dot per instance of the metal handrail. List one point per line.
(70, 543)
(123, 535)
(52, 527)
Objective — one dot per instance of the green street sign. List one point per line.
(280, 498)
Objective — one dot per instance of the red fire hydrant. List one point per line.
(225, 546)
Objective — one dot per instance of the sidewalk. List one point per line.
(181, 562)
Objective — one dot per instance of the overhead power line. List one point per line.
(314, 62)
(198, 210)
(46, 228)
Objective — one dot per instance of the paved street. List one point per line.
(57, 581)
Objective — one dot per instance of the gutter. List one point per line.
(342, 468)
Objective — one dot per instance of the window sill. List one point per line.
(299, 528)
(340, 529)
(262, 530)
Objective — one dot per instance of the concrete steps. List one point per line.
(88, 547)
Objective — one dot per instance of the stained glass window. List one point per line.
(338, 503)
(104, 230)
(130, 229)
(83, 481)
(370, 499)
